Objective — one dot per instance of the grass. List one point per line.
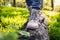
(12, 19)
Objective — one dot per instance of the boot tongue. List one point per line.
(34, 14)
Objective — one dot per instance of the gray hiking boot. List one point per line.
(33, 20)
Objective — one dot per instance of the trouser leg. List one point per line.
(36, 4)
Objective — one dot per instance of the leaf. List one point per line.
(24, 33)
(1, 36)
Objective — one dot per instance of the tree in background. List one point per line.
(0, 2)
(14, 3)
(52, 4)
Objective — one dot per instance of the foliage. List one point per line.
(9, 36)
(57, 8)
(24, 33)
(12, 19)
(53, 19)
(13, 16)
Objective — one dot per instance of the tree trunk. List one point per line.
(52, 4)
(41, 4)
(14, 3)
(0, 2)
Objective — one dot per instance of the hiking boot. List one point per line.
(33, 20)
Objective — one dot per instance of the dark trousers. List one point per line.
(36, 4)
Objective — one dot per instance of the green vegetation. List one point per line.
(53, 19)
(12, 19)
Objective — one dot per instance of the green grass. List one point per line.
(53, 18)
(12, 19)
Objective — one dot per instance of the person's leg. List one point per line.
(35, 20)
(29, 2)
(36, 4)
(34, 17)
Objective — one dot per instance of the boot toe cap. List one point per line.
(32, 25)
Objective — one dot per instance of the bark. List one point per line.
(14, 3)
(52, 4)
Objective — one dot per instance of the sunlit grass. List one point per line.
(14, 18)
